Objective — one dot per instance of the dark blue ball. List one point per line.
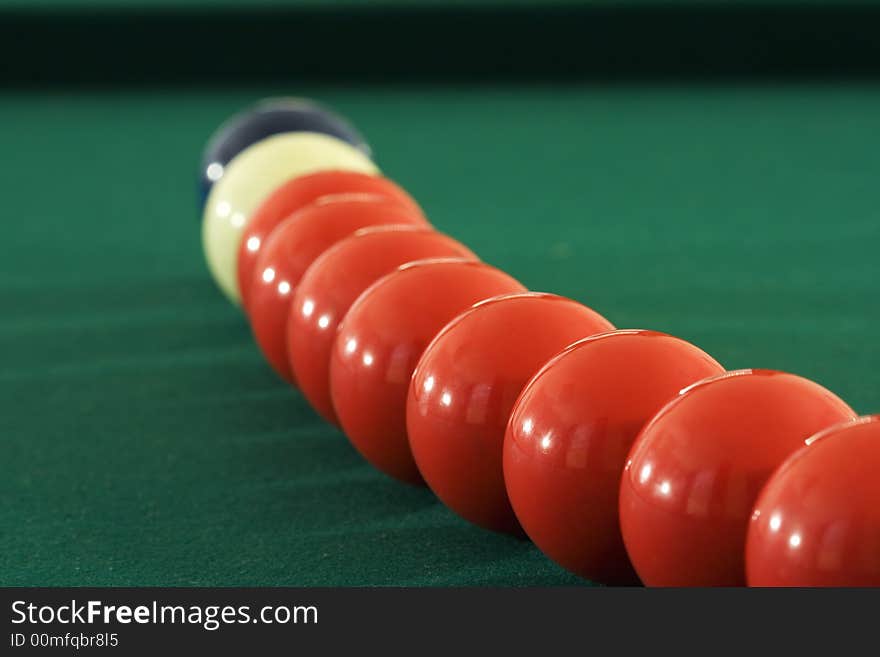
(264, 119)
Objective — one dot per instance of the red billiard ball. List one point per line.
(292, 247)
(695, 471)
(464, 388)
(332, 284)
(817, 521)
(296, 194)
(380, 341)
(571, 431)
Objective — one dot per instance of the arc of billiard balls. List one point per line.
(277, 141)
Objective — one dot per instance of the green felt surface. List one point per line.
(144, 442)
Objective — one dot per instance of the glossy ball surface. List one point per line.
(289, 251)
(817, 521)
(332, 284)
(569, 436)
(696, 469)
(250, 177)
(464, 388)
(264, 119)
(296, 194)
(380, 341)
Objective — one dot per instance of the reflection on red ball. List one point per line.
(697, 467)
(382, 338)
(571, 431)
(296, 194)
(817, 521)
(332, 284)
(465, 386)
(289, 251)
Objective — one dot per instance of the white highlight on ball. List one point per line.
(214, 171)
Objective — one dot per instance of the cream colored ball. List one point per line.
(250, 177)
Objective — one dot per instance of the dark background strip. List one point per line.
(398, 44)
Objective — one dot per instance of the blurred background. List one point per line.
(211, 42)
